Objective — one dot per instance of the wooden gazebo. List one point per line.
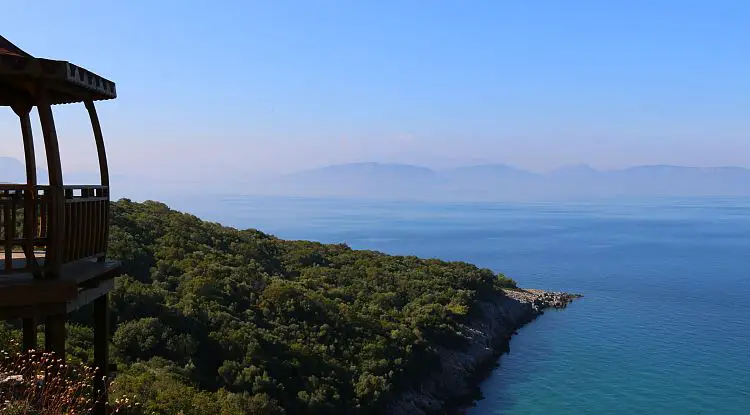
(54, 236)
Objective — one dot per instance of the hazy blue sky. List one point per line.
(266, 86)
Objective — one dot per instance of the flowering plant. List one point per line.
(40, 383)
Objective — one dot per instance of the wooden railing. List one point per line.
(24, 214)
(26, 225)
(86, 222)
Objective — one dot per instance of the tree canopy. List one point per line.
(211, 319)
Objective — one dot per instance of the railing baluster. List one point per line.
(13, 215)
(67, 247)
(100, 222)
(72, 245)
(102, 225)
(93, 217)
(7, 204)
(32, 219)
(83, 212)
(43, 212)
(80, 222)
(97, 226)
(75, 242)
(81, 236)
(80, 230)
(84, 224)
(13, 219)
(89, 223)
(29, 229)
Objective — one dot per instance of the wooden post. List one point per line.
(103, 168)
(56, 237)
(54, 334)
(29, 334)
(101, 351)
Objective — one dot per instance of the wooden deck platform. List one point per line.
(69, 223)
(80, 283)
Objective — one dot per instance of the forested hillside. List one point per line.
(210, 319)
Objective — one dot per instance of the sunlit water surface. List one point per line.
(665, 324)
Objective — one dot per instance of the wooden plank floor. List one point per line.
(19, 260)
(22, 290)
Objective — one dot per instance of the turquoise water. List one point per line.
(665, 324)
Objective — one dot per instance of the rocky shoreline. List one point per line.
(455, 385)
(541, 300)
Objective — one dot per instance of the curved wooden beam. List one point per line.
(103, 167)
(29, 214)
(56, 224)
(51, 145)
(101, 151)
(54, 325)
(28, 142)
(30, 196)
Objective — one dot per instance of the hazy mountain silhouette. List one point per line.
(575, 170)
(356, 180)
(503, 182)
(12, 170)
(485, 182)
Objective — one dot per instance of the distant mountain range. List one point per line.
(486, 182)
(13, 170)
(503, 182)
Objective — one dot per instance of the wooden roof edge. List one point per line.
(87, 79)
(72, 79)
(6, 46)
(15, 62)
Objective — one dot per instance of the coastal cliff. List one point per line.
(487, 335)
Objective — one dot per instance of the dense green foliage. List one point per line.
(211, 319)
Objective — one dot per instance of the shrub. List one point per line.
(36, 383)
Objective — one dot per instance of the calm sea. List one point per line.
(665, 324)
